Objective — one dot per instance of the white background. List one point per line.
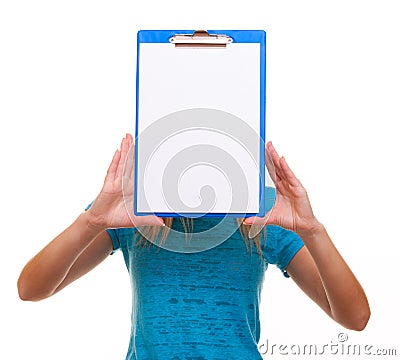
(67, 90)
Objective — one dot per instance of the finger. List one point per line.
(275, 160)
(129, 137)
(129, 163)
(289, 175)
(129, 140)
(124, 152)
(270, 165)
(130, 159)
(160, 220)
(254, 220)
(113, 166)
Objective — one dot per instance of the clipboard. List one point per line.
(200, 123)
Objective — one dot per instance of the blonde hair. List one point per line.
(152, 232)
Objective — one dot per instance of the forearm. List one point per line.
(46, 271)
(347, 300)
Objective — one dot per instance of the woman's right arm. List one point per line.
(73, 253)
(85, 243)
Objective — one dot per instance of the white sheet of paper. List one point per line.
(199, 81)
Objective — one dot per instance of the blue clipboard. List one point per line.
(200, 123)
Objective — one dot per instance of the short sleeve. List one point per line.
(112, 233)
(115, 240)
(281, 246)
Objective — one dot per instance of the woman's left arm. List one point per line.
(317, 268)
(321, 272)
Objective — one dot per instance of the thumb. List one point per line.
(256, 220)
(249, 220)
(147, 220)
(270, 218)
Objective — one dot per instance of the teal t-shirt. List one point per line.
(200, 305)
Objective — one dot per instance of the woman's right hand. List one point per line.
(113, 207)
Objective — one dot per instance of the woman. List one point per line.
(201, 305)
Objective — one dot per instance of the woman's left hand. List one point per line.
(292, 209)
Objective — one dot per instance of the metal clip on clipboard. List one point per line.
(200, 38)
